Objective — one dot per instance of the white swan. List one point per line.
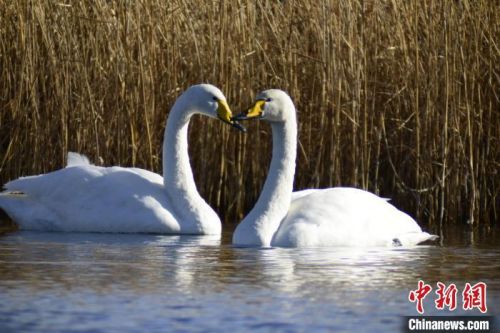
(318, 217)
(87, 198)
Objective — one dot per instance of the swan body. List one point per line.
(86, 198)
(315, 217)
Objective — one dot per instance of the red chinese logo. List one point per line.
(446, 296)
(419, 295)
(472, 296)
(475, 297)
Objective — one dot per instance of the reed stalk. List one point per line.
(398, 97)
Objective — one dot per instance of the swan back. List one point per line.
(343, 216)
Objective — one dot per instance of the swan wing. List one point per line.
(87, 198)
(346, 217)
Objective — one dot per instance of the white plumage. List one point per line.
(315, 217)
(87, 198)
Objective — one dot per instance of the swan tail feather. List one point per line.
(75, 159)
(413, 238)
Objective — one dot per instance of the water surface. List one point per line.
(61, 282)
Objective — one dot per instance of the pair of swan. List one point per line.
(87, 198)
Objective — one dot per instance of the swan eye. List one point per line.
(215, 98)
(269, 99)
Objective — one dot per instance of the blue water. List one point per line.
(57, 282)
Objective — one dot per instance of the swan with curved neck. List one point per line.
(87, 198)
(337, 216)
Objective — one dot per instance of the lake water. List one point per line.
(58, 282)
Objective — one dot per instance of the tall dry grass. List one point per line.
(397, 97)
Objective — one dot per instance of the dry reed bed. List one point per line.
(398, 97)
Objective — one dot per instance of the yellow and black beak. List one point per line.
(254, 112)
(224, 113)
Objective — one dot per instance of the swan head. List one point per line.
(273, 105)
(208, 100)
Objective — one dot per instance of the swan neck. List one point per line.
(177, 174)
(259, 227)
(196, 215)
(278, 186)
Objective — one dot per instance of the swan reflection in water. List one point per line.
(94, 260)
(332, 269)
(196, 280)
(99, 261)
